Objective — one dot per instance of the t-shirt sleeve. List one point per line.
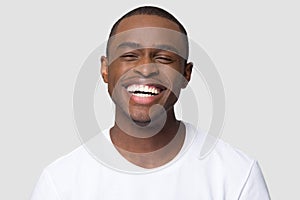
(255, 187)
(45, 189)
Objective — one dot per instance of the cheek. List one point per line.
(175, 77)
(116, 72)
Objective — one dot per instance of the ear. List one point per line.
(187, 73)
(104, 68)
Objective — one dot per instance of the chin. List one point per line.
(140, 119)
(145, 120)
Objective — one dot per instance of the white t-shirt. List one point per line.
(225, 174)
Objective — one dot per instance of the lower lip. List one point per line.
(145, 100)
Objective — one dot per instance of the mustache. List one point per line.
(161, 81)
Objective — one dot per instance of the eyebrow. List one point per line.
(135, 45)
(132, 45)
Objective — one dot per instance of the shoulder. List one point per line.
(228, 168)
(224, 151)
(242, 171)
(59, 175)
(74, 157)
(72, 165)
(224, 158)
(211, 149)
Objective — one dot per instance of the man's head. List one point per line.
(146, 62)
(148, 10)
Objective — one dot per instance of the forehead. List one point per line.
(149, 31)
(140, 21)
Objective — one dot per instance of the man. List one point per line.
(145, 68)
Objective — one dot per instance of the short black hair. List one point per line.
(148, 10)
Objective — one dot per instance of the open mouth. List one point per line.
(144, 90)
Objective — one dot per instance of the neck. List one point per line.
(153, 151)
(142, 137)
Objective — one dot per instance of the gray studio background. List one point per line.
(254, 45)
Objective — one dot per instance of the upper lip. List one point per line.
(142, 81)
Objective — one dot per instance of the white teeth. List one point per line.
(143, 88)
(153, 90)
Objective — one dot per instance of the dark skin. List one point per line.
(136, 118)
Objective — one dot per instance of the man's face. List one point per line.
(146, 66)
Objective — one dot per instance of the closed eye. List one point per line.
(129, 57)
(164, 59)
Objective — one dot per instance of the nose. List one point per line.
(147, 68)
